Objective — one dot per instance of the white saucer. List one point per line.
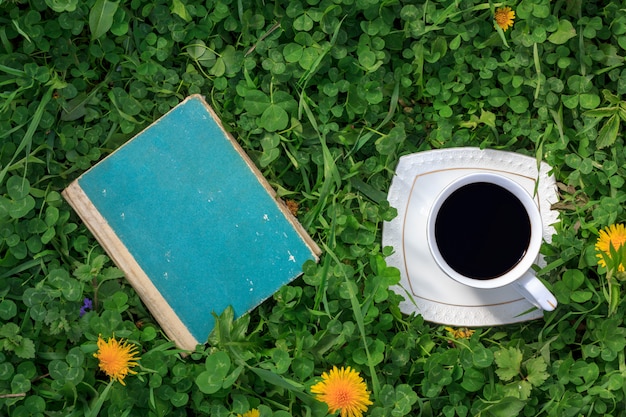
(427, 290)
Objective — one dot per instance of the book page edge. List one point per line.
(143, 285)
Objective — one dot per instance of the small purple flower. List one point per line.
(87, 305)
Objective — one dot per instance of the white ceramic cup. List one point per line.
(519, 273)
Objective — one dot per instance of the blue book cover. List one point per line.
(193, 224)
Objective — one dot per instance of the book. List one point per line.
(186, 215)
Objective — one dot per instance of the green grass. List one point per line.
(325, 96)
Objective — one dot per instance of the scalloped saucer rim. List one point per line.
(427, 290)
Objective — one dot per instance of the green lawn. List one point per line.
(324, 96)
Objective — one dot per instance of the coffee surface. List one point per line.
(482, 230)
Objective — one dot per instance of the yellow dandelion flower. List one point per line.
(613, 235)
(460, 333)
(344, 390)
(504, 17)
(116, 358)
(251, 413)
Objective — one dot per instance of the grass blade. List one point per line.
(101, 17)
(27, 140)
(358, 317)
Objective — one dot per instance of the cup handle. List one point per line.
(534, 291)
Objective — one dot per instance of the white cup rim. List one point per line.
(536, 226)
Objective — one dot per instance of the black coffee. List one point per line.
(482, 230)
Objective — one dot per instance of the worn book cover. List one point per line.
(187, 216)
